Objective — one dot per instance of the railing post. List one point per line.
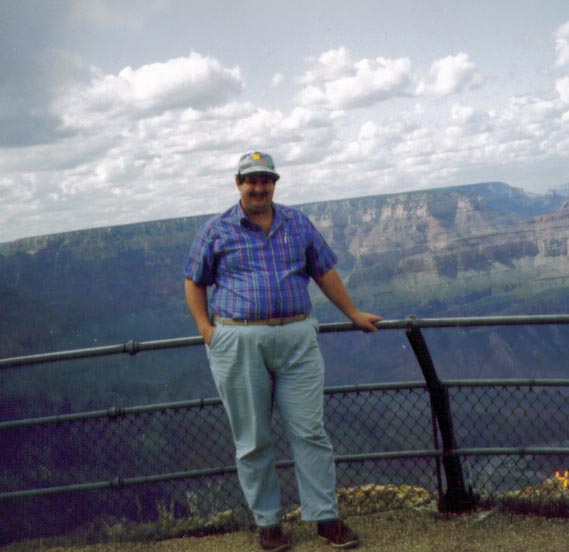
(456, 498)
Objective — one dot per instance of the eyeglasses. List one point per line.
(254, 179)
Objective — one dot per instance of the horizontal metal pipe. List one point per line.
(457, 322)
(391, 455)
(391, 386)
(507, 383)
(61, 355)
(189, 474)
(118, 482)
(521, 320)
(134, 347)
(115, 412)
(224, 470)
(511, 451)
(112, 412)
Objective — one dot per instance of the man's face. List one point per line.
(256, 191)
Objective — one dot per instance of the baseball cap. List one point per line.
(256, 162)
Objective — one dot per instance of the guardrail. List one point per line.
(417, 431)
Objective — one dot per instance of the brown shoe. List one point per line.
(273, 539)
(337, 534)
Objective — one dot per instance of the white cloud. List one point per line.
(450, 75)
(337, 82)
(531, 116)
(364, 147)
(196, 81)
(162, 140)
(303, 118)
(312, 96)
(562, 45)
(525, 133)
(462, 114)
(562, 87)
(329, 66)
(467, 119)
(277, 80)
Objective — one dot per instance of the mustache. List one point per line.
(258, 195)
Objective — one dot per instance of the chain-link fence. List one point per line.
(169, 468)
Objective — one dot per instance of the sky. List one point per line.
(122, 111)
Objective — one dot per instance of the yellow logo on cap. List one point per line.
(256, 156)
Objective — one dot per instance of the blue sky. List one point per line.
(119, 111)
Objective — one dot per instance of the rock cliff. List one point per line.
(479, 249)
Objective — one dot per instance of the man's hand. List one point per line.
(332, 286)
(196, 297)
(207, 334)
(366, 321)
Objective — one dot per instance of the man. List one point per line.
(262, 345)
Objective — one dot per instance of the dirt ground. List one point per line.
(393, 531)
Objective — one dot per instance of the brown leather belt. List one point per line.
(268, 322)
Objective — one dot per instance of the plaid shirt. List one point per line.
(257, 276)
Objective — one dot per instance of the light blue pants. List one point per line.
(254, 369)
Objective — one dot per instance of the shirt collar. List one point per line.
(240, 218)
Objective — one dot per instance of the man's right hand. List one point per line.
(207, 333)
(196, 297)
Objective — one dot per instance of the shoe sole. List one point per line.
(345, 546)
(281, 548)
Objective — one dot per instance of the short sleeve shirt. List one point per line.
(256, 276)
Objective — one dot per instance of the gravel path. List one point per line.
(395, 531)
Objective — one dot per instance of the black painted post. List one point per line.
(456, 498)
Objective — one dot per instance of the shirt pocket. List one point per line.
(292, 248)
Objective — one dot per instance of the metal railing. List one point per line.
(462, 440)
